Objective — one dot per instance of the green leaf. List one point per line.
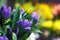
(8, 22)
(1, 30)
(16, 16)
(14, 37)
(37, 31)
(25, 36)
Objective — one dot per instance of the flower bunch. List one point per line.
(17, 24)
(4, 15)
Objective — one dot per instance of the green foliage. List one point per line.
(16, 16)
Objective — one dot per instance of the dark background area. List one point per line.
(11, 2)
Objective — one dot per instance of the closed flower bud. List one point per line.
(27, 28)
(35, 16)
(3, 8)
(24, 23)
(21, 12)
(9, 31)
(18, 23)
(6, 12)
(3, 38)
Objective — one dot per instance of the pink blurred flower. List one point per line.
(56, 9)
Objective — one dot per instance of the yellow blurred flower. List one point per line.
(28, 7)
(56, 25)
(46, 11)
(47, 24)
(37, 6)
(16, 5)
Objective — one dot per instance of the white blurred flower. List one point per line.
(33, 36)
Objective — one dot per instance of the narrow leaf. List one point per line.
(14, 37)
(16, 16)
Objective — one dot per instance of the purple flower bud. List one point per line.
(21, 12)
(36, 24)
(9, 31)
(6, 12)
(3, 8)
(24, 23)
(5, 38)
(1, 38)
(17, 30)
(18, 23)
(35, 16)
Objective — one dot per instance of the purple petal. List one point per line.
(25, 21)
(10, 30)
(5, 38)
(17, 31)
(22, 11)
(19, 22)
(35, 16)
(1, 38)
(28, 24)
(36, 24)
(27, 28)
(9, 10)
(3, 8)
(7, 15)
(6, 12)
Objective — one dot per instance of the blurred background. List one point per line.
(33, 2)
(49, 11)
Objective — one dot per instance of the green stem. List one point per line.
(0, 30)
